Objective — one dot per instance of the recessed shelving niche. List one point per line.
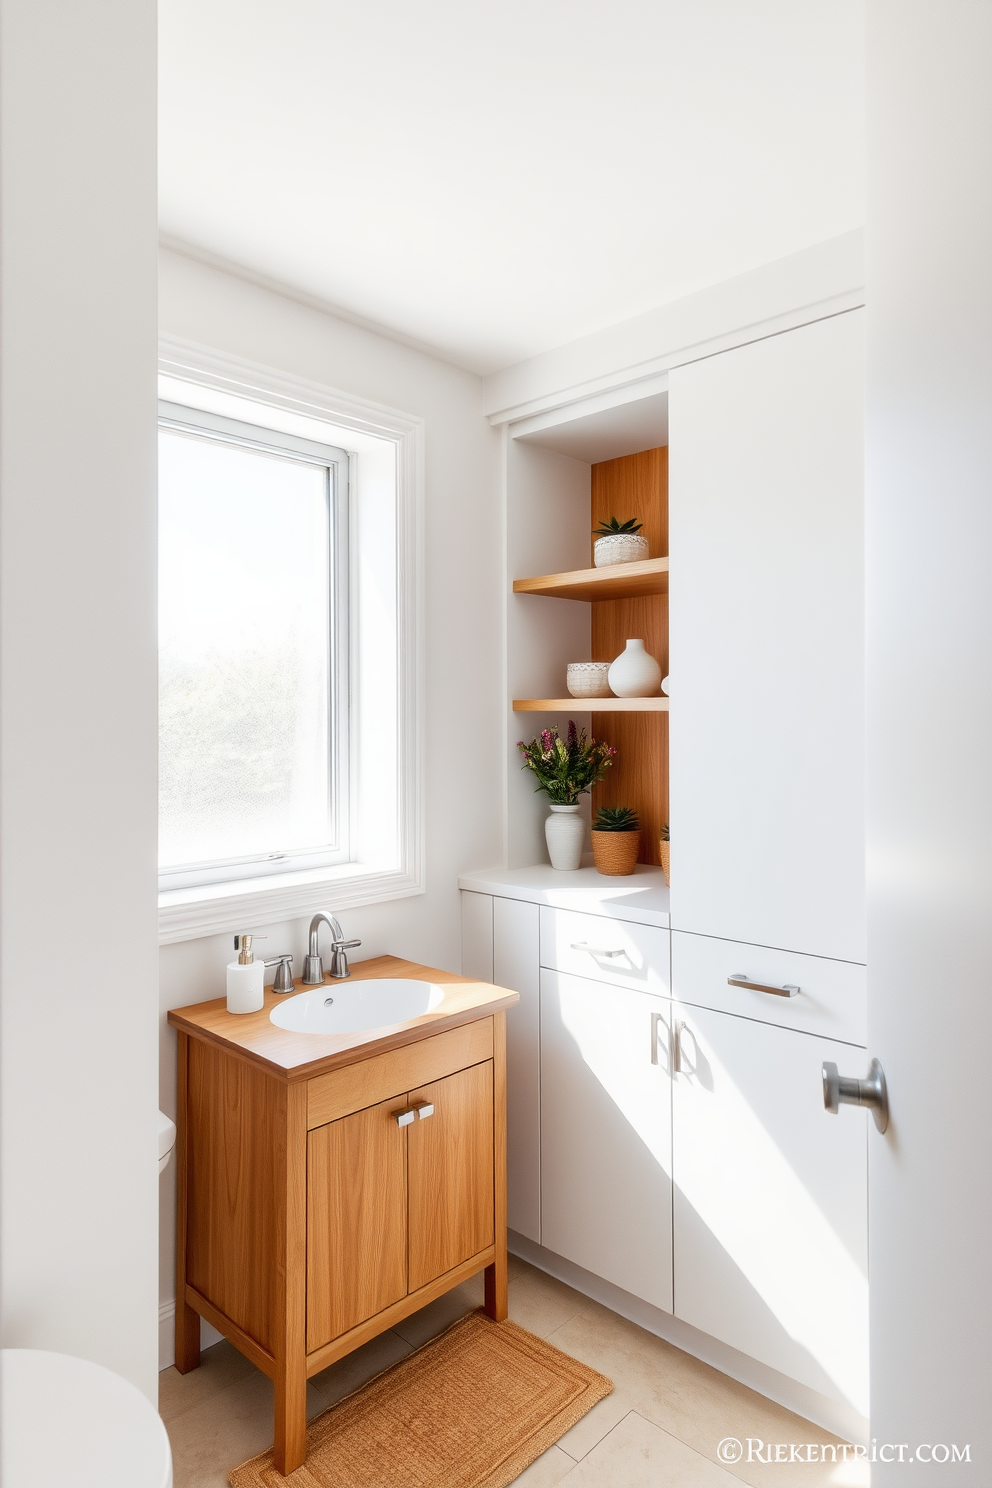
(625, 600)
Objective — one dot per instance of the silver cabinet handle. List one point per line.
(677, 1028)
(405, 1118)
(582, 946)
(656, 1019)
(424, 1111)
(841, 1090)
(740, 979)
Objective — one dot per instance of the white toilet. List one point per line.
(70, 1423)
(166, 1140)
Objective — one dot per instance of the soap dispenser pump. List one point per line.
(245, 978)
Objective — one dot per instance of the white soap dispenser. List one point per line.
(245, 978)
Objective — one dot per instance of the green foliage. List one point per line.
(614, 526)
(664, 833)
(566, 768)
(616, 819)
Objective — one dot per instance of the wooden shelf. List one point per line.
(591, 705)
(619, 581)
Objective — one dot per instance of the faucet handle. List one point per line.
(284, 977)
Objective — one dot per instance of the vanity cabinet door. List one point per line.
(356, 1220)
(771, 1200)
(606, 1133)
(450, 1173)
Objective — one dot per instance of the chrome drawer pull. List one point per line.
(424, 1111)
(739, 979)
(656, 1018)
(581, 945)
(405, 1118)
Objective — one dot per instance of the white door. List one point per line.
(770, 1203)
(767, 641)
(606, 1192)
(516, 964)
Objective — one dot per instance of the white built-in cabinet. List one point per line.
(766, 636)
(666, 1128)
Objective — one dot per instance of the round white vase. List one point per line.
(635, 673)
(566, 835)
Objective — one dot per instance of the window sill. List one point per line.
(214, 909)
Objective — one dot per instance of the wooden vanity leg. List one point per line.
(291, 1415)
(291, 1352)
(496, 1278)
(187, 1321)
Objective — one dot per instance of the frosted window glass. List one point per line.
(245, 653)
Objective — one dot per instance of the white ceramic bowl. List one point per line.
(620, 547)
(588, 678)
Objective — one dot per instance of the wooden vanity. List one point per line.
(331, 1184)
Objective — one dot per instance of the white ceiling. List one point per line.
(491, 180)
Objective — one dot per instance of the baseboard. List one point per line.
(167, 1334)
(833, 1415)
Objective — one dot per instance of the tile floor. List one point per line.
(659, 1429)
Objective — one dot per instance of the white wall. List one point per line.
(929, 496)
(463, 743)
(77, 686)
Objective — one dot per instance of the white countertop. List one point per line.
(642, 898)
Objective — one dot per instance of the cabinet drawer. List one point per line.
(831, 1000)
(606, 950)
(329, 1097)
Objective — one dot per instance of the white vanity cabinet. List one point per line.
(770, 1209)
(766, 520)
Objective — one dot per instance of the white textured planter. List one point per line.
(566, 835)
(587, 678)
(635, 673)
(620, 547)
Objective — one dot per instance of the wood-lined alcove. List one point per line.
(635, 486)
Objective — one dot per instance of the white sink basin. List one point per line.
(352, 1007)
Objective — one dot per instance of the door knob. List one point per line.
(842, 1090)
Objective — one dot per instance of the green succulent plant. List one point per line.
(614, 526)
(664, 833)
(616, 819)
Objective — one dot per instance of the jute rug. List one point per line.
(471, 1409)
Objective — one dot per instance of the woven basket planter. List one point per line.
(615, 853)
(666, 860)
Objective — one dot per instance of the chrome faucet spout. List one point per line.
(313, 967)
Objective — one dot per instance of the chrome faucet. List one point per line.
(313, 967)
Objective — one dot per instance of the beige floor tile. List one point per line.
(546, 1470)
(220, 1367)
(697, 1404)
(539, 1302)
(210, 1439)
(638, 1454)
(436, 1316)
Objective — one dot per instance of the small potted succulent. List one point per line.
(618, 542)
(616, 836)
(566, 769)
(665, 848)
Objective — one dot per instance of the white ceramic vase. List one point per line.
(566, 835)
(635, 673)
(619, 547)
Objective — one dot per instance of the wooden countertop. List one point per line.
(299, 1056)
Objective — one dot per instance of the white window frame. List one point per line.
(385, 451)
(194, 421)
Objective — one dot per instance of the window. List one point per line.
(254, 649)
(291, 647)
